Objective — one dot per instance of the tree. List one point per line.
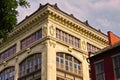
(8, 15)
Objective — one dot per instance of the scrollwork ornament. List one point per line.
(52, 30)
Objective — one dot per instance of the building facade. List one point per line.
(105, 65)
(49, 45)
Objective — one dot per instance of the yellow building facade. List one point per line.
(49, 45)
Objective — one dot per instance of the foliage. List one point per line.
(8, 15)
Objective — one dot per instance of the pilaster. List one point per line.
(18, 46)
(49, 61)
(85, 66)
(16, 69)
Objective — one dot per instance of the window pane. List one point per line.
(75, 66)
(78, 67)
(66, 62)
(61, 60)
(99, 71)
(117, 66)
(57, 59)
(31, 39)
(30, 64)
(68, 38)
(70, 64)
(7, 74)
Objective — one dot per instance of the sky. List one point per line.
(101, 14)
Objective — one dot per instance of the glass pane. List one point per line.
(61, 60)
(75, 66)
(66, 62)
(71, 64)
(57, 59)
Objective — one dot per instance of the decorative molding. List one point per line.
(4, 63)
(70, 49)
(52, 43)
(52, 30)
(78, 28)
(16, 58)
(28, 50)
(44, 30)
(83, 45)
(49, 12)
(45, 43)
(84, 57)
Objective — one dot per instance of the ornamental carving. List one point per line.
(52, 30)
(83, 45)
(44, 30)
(28, 50)
(16, 58)
(49, 43)
(4, 63)
(52, 43)
(45, 43)
(70, 49)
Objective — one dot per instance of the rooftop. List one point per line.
(57, 8)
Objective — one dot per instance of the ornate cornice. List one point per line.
(26, 23)
(53, 12)
(78, 27)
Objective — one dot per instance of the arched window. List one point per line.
(68, 63)
(30, 68)
(7, 74)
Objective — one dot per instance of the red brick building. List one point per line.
(105, 65)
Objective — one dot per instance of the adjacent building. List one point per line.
(105, 65)
(49, 45)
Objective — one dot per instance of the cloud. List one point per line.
(103, 22)
(107, 4)
(108, 25)
(101, 14)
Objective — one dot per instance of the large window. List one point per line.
(7, 74)
(68, 63)
(30, 68)
(61, 35)
(31, 39)
(92, 48)
(7, 53)
(116, 60)
(99, 67)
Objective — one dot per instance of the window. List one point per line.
(68, 63)
(7, 74)
(31, 39)
(116, 60)
(99, 67)
(63, 36)
(30, 64)
(92, 48)
(7, 53)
